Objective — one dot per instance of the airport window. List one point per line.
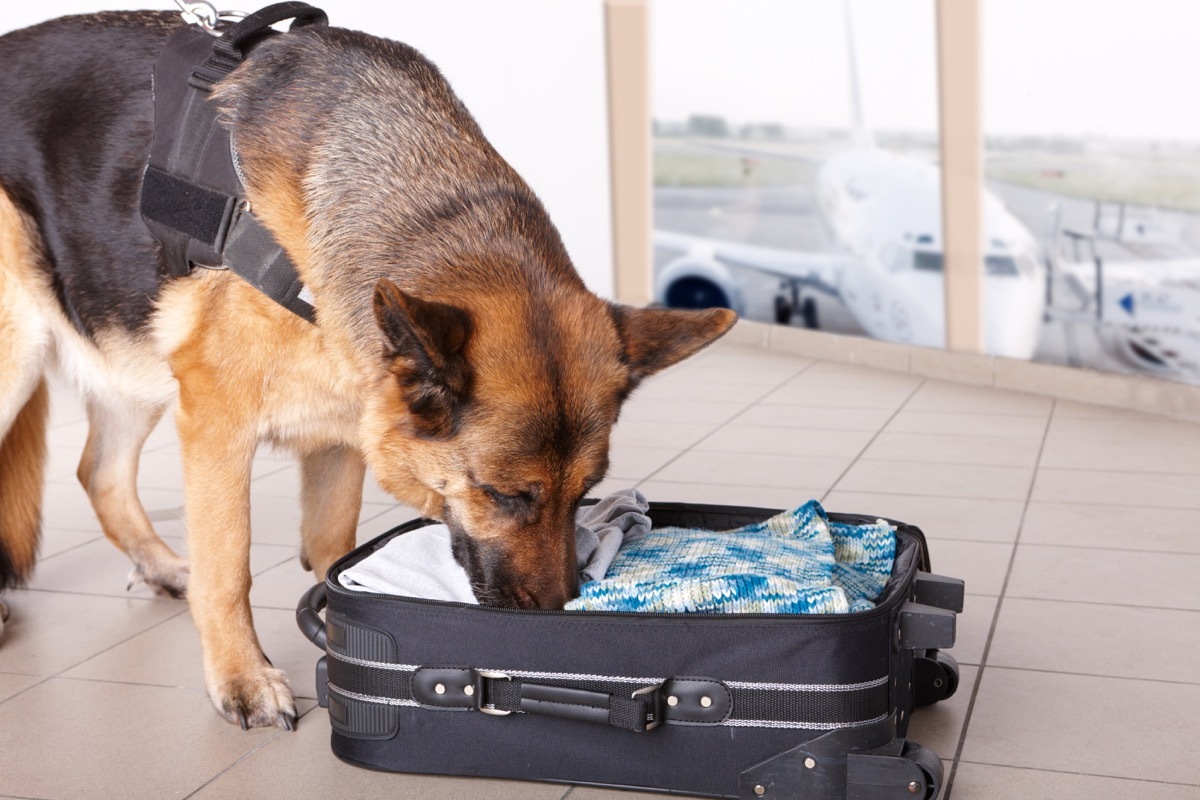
(1092, 175)
(795, 157)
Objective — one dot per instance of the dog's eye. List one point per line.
(509, 502)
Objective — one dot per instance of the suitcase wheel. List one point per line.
(935, 677)
(929, 763)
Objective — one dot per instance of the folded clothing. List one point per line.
(421, 562)
(797, 562)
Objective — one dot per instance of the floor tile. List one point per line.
(978, 781)
(940, 517)
(776, 440)
(161, 469)
(381, 523)
(50, 631)
(275, 520)
(1145, 447)
(99, 568)
(1121, 527)
(1085, 638)
(950, 480)
(56, 541)
(300, 764)
(276, 479)
(1156, 580)
(937, 727)
(81, 739)
(816, 417)
(753, 469)
(725, 494)
(1115, 487)
(972, 628)
(636, 463)
(963, 398)
(282, 586)
(592, 793)
(1012, 426)
(62, 461)
(982, 565)
(953, 449)
(677, 435)
(701, 387)
(690, 411)
(812, 392)
(169, 654)
(12, 684)
(65, 506)
(70, 434)
(1074, 723)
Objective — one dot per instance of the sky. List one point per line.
(1050, 67)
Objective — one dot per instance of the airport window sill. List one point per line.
(1134, 392)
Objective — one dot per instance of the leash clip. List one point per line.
(204, 15)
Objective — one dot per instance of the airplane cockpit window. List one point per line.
(1000, 265)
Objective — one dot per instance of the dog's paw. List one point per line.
(167, 578)
(256, 700)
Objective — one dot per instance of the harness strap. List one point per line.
(192, 199)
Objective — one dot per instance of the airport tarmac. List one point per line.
(787, 217)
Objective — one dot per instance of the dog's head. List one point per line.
(494, 415)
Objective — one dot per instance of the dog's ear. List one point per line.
(424, 343)
(656, 338)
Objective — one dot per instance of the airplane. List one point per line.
(884, 213)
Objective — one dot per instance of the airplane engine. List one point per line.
(692, 282)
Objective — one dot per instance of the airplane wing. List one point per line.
(820, 271)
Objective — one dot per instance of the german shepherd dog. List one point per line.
(456, 351)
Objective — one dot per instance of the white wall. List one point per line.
(531, 71)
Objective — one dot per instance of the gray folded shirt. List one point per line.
(420, 563)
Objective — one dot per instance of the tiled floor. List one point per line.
(1076, 528)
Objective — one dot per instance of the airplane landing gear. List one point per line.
(786, 308)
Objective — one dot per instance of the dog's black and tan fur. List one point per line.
(457, 352)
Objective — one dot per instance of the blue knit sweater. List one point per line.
(797, 562)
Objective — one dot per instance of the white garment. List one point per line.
(420, 563)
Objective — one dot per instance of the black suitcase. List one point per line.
(799, 706)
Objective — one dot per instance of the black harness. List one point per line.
(193, 199)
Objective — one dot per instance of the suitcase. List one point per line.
(746, 706)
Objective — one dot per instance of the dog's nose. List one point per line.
(549, 598)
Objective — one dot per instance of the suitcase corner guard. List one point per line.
(843, 764)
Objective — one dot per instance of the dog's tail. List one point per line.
(22, 462)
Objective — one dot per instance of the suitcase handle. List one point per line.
(308, 616)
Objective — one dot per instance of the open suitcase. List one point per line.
(747, 706)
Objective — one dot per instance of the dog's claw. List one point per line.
(242, 720)
(287, 721)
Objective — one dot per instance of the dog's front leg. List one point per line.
(331, 495)
(218, 449)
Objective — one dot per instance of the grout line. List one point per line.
(722, 425)
(1098, 603)
(59, 674)
(878, 432)
(568, 794)
(987, 647)
(1095, 675)
(1081, 774)
(237, 761)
